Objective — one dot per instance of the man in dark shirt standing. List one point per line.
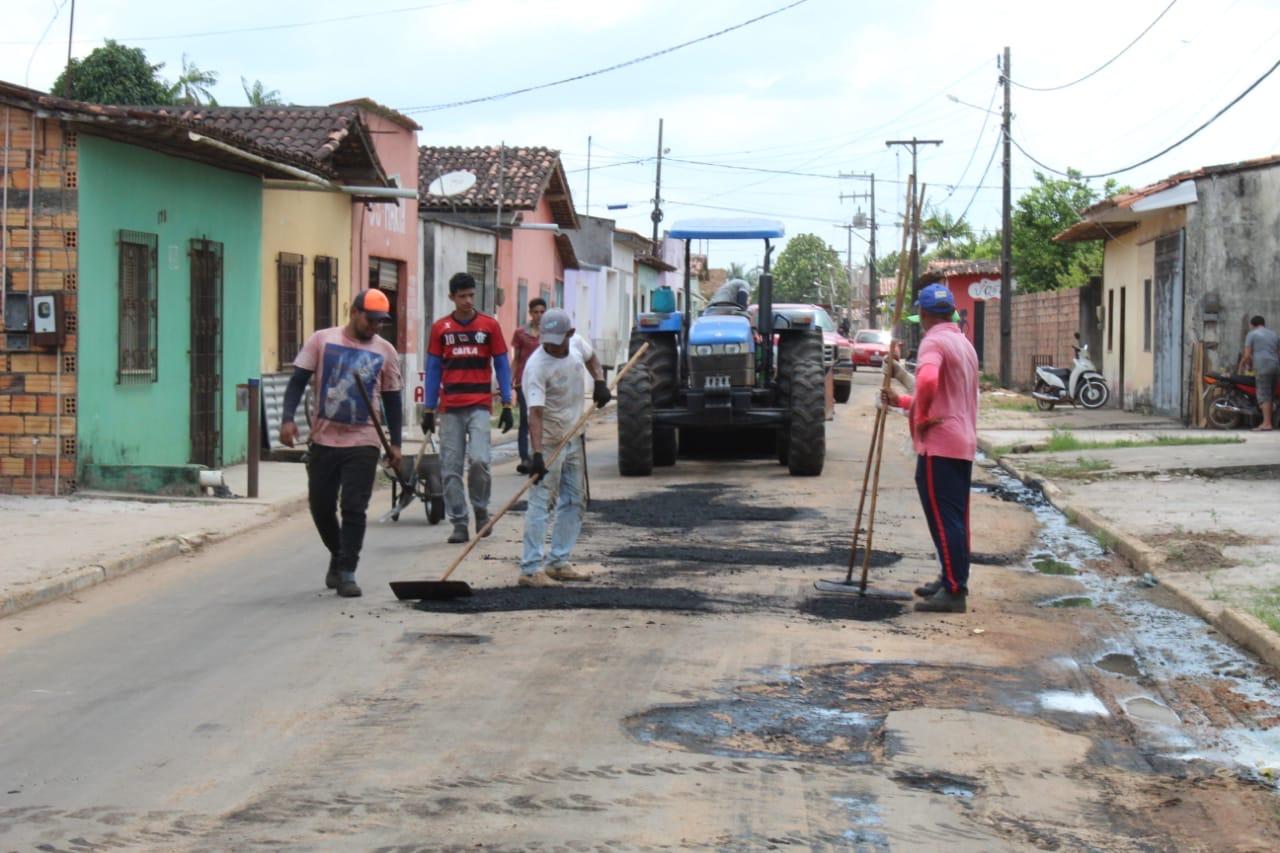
(464, 351)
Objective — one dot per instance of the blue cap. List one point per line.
(936, 299)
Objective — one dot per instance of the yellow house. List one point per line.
(1141, 314)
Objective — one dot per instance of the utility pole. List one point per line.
(656, 216)
(914, 144)
(71, 74)
(588, 175)
(873, 278)
(1006, 242)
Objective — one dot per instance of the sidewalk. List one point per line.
(114, 534)
(1199, 517)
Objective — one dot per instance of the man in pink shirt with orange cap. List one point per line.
(943, 414)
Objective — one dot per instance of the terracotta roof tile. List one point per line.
(940, 269)
(526, 174)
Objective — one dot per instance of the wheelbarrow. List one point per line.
(421, 478)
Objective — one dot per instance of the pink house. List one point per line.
(522, 197)
(384, 237)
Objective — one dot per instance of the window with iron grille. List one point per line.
(559, 293)
(522, 301)
(136, 357)
(478, 268)
(289, 272)
(326, 292)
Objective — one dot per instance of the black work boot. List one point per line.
(944, 601)
(482, 518)
(347, 586)
(459, 533)
(331, 576)
(925, 590)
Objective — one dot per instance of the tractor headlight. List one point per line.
(702, 349)
(732, 349)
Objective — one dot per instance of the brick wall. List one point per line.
(38, 385)
(1043, 324)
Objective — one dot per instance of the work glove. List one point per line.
(537, 468)
(428, 422)
(601, 394)
(506, 420)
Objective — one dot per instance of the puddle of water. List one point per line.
(1085, 704)
(1151, 711)
(1119, 663)
(1067, 601)
(1175, 649)
(863, 815)
(1051, 566)
(947, 784)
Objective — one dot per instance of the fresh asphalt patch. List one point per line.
(687, 506)
(515, 598)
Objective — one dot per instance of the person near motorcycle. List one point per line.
(943, 414)
(1262, 353)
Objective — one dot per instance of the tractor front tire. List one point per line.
(844, 390)
(806, 392)
(635, 422)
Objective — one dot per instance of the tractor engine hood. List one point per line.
(722, 329)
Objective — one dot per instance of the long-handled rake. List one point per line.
(445, 589)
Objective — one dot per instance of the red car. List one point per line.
(870, 346)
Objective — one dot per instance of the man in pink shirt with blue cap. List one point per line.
(943, 414)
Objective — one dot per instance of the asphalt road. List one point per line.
(697, 694)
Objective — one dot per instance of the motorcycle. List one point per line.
(1228, 399)
(1082, 385)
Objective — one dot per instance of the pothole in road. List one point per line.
(834, 555)
(510, 599)
(851, 607)
(690, 505)
(445, 639)
(835, 714)
(947, 784)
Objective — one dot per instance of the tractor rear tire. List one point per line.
(806, 397)
(664, 367)
(635, 422)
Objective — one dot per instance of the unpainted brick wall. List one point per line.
(37, 387)
(1043, 324)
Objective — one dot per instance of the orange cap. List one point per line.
(374, 303)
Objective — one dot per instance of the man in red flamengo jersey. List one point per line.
(465, 350)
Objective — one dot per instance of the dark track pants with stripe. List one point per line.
(943, 484)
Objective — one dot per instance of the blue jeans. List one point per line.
(562, 487)
(463, 433)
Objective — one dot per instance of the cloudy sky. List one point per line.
(815, 89)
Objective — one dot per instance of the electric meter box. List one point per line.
(47, 322)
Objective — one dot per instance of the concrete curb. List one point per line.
(1242, 628)
(31, 595)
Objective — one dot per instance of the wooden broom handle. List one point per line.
(573, 433)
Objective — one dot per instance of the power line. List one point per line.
(269, 27)
(1103, 65)
(1237, 99)
(800, 174)
(607, 69)
(976, 143)
(974, 197)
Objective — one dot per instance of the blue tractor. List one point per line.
(725, 370)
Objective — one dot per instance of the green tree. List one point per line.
(887, 267)
(193, 86)
(809, 270)
(945, 234)
(737, 269)
(259, 95)
(113, 74)
(1043, 211)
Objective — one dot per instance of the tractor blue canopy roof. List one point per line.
(728, 229)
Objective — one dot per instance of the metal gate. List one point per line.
(1166, 389)
(206, 353)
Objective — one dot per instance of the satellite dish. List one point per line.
(452, 183)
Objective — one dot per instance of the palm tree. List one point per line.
(737, 270)
(192, 88)
(259, 95)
